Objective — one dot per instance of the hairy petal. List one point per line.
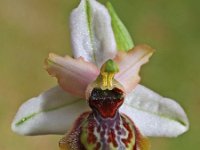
(73, 74)
(155, 115)
(130, 64)
(92, 36)
(52, 112)
(142, 142)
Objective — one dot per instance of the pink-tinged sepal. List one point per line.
(73, 75)
(130, 64)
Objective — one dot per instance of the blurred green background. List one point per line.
(30, 29)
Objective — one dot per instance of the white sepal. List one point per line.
(92, 36)
(52, 112)
(153, 114)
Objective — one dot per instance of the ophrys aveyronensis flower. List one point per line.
(98, 35)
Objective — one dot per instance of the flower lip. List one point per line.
(97, 84)
(106, 102)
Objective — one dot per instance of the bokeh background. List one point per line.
(30, 29)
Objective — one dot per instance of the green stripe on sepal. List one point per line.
(122, 36)
(89, 20)
(24, 119)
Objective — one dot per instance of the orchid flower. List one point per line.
(99, 40)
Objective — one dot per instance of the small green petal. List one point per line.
(122, 36)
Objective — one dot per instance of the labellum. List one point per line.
(104, 128)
